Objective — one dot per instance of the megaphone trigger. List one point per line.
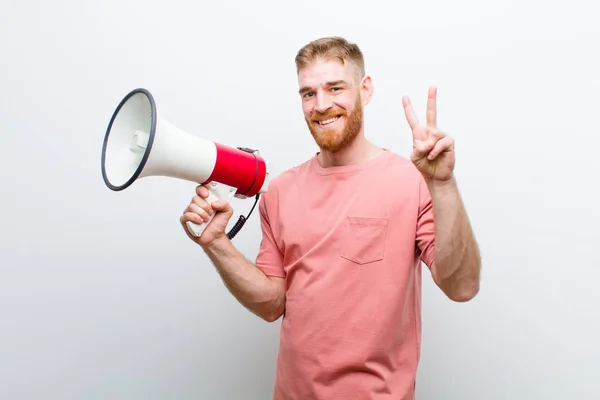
(216, 191)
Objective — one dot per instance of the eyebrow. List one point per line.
(331, 83)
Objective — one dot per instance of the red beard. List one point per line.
(333, 140)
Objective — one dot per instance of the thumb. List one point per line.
(222, 206)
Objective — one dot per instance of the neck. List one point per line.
(358, 152)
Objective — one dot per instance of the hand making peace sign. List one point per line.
(433, 150)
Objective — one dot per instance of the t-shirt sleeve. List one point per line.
(269, 258)
(425, 226)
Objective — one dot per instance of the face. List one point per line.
(333, 97)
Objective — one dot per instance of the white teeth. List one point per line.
(328, 121)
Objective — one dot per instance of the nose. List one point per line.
(323, 103)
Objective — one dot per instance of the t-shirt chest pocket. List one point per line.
(363, 239)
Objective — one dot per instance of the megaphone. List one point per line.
(139, 143)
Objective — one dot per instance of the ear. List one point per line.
(366, 89)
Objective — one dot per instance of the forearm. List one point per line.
(248, 284)
(457, 262)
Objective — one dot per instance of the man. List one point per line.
(344, 235)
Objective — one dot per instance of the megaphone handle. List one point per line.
(216, 191)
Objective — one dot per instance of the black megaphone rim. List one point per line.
(152, 133)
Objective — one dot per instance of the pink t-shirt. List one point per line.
(349, 240)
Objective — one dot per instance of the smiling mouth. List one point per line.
(328, 121)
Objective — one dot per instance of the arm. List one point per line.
(457, 262)
(262, 295)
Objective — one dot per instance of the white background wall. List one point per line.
(103, 296)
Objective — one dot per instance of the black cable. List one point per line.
(241, 221)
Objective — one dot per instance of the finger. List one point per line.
(423, 147)
(432, 106)
(202, 191)
(411, 117)
(223, 207)
(432, 137)
(442, 145)
(435, 134)
(192, 217)
(196, 209)
(201, 203)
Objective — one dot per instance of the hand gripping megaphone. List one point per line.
(139, 143)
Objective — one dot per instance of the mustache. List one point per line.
(328, 114)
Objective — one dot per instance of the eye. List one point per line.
(305, 95)
(335, 89)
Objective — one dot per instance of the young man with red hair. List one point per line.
(344, 235)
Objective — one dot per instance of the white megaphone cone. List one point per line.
(139, 143)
